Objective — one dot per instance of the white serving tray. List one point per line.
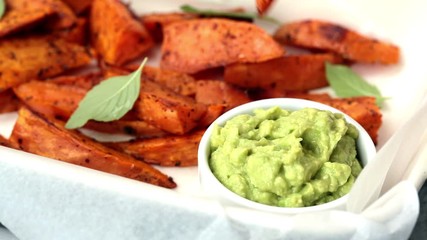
(40, 197)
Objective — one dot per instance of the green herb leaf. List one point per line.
(2, 8)
(214, 13)
(347, 83)
(109, 100)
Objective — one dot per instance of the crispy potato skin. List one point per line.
(24, 59)
(362, 109)
(163, 151)
(64, 17)
(48, 138)
(195, 45)
(288, 73)
(328, 36)
(123, 38)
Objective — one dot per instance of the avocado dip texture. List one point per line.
(286, 158)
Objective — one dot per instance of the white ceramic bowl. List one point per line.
(365, 148)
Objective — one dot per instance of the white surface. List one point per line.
(45, 199)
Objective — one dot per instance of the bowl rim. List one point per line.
(206, 175)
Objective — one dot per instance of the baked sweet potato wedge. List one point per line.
(75, 34)
(115, 34)
(49, 138)
(50, 99)
(64, 17)
(155, 22)
(25, 59)
(166, 109)
(362, 109)
(220, 92)
(317, 34)
(78, 6)
(213, 111)
(195, 45)
(288, 73)
(137, 128)
(8, 101)
(165, 151)
(181, 83)
(263, 5)
(23, 14)
(4, 142)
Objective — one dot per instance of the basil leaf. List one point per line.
(2, 8)
(347, 83)
(214, 13)
(109, 100)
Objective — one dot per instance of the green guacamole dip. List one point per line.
(286, 158)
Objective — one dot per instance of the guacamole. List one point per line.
(286, 158)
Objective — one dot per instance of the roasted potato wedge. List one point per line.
(288, 73)
(155, 22)
(212, 113)
(64, 17)
(166, 109)
(138, 128)
(316, 34)
(179, 151)
(49, 138)
(220, 92)
(4, 142)
(195, 45)
(78, 6)
(23, 14)
(263, 5)
(8, 101)
(123, 38)
(50, 99)
(181, 83)
(24, 59)
(75, 34)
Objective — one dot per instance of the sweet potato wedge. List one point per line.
(155, 22)
(4, 142)
(288, 73)
(49, 138)
(167, 109)
(64, 17)
(220, 92)
(362, 109)
(181, 83)
(22, 14)
(165, 151)
(24, 59)
(195, 45)
(328, 36)
(263, 5)
(123, 38)
(213, 111)
(76, 33)
(50, 99)
(78, 6)
(137, 128)
(84, 81)
(8, 101)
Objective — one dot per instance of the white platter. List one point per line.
(400, 22)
